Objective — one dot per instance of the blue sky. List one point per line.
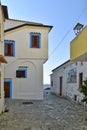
(63, 15)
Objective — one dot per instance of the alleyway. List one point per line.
(54, 113)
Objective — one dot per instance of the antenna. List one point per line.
(78, 28)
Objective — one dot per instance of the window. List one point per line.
(21, 73)
(9, 48)
(35, 40)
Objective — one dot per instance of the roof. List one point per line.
(2, 59)
(61, 65)
(23, 21)
(5, 11)
(28, 24)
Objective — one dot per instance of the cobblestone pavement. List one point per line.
(53, 113)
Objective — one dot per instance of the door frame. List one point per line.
(10, 81)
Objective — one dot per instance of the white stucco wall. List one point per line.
(56, 81)
(2, 88)
(22, 42)
(1, 65)
(34, 58)
(69, 89)
(30, 87)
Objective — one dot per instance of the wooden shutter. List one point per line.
(35, 41)
(8, 49)
(11, 49)
(17, 73)
(20, 73)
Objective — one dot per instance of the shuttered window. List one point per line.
(21, 73)
(35, 40)
(9, 49)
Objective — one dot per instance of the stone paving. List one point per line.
(53, 113)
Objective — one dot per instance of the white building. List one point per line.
(26, 50)
(67, 78)
(3, 14)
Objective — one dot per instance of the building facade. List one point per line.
(26, 50)
(78, 46)
(67, 78)
(2, 59)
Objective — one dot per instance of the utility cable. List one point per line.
(67, 32)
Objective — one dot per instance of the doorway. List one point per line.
(80, 79)
(61, 83)
(8, 88)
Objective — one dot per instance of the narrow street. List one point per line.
(53, 113)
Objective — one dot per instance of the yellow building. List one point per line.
(78, 46)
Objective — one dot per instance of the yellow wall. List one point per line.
(78, 46)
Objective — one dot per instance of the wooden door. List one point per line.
(7, 89)
(61, 80)
(80, 79)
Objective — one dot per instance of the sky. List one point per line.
(63, 15)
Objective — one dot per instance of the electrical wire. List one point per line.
(68, 32)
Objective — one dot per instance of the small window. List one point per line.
(9, 48)
(35, 40)
(21, 73)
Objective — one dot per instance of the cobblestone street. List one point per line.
(53, 113)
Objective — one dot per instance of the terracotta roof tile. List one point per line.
(2, 59)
